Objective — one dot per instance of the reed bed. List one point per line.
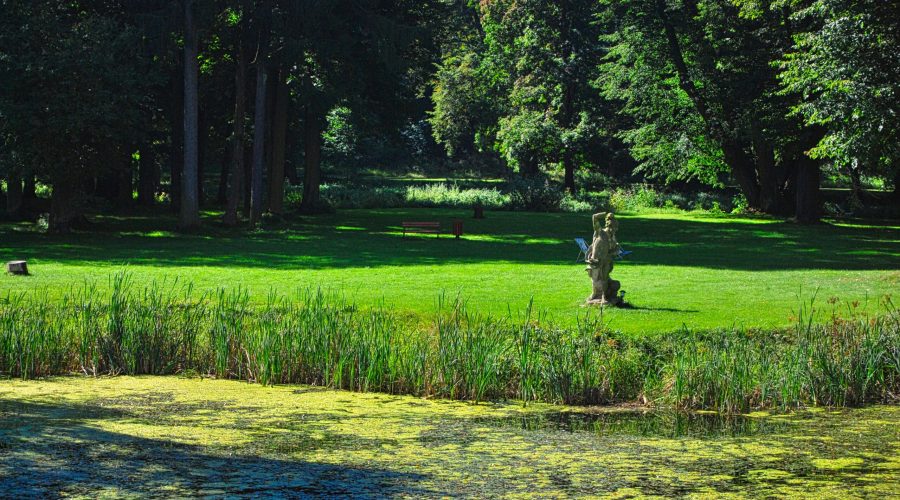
(315, 337)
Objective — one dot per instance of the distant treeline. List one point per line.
(105, 104)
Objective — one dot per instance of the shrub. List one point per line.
(442, 195)
(705, 201)
(539, 194)
(357, 196)
(536, 194)
(631, 199)
(572, 204)
(431, 195)
(740, 204)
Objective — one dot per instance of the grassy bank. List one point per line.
(317, 338)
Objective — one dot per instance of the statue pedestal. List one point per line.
(609, 298)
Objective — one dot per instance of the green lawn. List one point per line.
(686, 269)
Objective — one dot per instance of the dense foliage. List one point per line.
(847, 70)
(194, 102)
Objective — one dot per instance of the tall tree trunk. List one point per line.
(190, 206)
(568, 106)
(237, 135)
(743, 171)
(29, 191)
(528, 167)
(62, 205)
(225, 166)
(176, 154)
(271, 90)
(202, 152)
(147, 176)
(14, 195)
(855, 182)
(312, 144)
(106, 183)
(290, 166)
(897, 185)
(808, 199)
(125, 190)
(736, 157)
(248, 175)
(770, 196)
(259, 144)
(279, 136)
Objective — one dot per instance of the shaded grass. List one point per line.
(699, 271)
(321, 339)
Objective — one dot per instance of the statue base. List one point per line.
(609, 298)
(601, 302)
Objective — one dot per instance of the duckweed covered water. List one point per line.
(169, 436)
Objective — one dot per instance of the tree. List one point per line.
(263, 26)
(190, 204)
(846, 66)
(14, 193)
(259, 141)
(722, 54)
(72, 84)
(526, 84)
(281, 102)
(465, 107)
(236, 165)
(357, 54)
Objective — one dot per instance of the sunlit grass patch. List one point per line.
(687, 269)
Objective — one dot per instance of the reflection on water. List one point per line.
(643, 423)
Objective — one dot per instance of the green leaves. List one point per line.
(846, 67)
(525, 84)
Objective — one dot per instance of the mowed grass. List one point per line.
(699, 271)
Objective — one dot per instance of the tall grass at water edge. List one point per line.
(319, 338)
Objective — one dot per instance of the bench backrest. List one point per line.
(421, 224)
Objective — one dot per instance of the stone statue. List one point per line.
(604, 248)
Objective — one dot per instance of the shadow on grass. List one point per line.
(373, 239)
(630, 306)
(57, 450)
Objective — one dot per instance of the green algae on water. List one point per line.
(170, 436)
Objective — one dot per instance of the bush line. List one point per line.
(536, 195)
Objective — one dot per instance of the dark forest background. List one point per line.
(228, 105)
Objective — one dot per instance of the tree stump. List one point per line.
(17, 267)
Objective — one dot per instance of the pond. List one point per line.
(170, 436)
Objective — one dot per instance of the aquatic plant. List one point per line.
(316, 337)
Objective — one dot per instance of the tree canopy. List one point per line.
(102, 98)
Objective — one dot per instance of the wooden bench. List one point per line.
(422, 227)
